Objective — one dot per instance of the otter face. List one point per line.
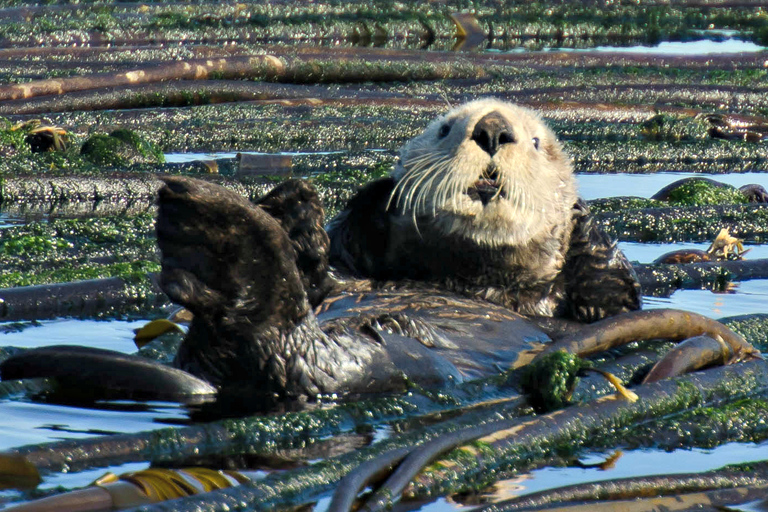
(489, 171)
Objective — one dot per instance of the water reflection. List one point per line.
(8, 220)
(23, 422)
(747, 297)
(112, 335)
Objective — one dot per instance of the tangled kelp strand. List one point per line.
(482, 462)
(575, 425)
(257, 434)
(639, 487)
(577, 91)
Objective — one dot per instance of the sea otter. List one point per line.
(478, 225)
(481, 206)
(484, 203)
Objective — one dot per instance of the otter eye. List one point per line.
(444, 131)
(536, 143)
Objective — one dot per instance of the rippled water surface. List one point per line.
(24, 422)
(646, 462)
(217, 31)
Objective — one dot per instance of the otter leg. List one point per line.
(296, 205)
(233, 265)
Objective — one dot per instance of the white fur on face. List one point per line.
(436, 170)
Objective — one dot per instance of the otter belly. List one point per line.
(435, 337)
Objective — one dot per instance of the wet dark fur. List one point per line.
(296, 205)
(248, 284)
(266, 308)
(234, 267)
(251, 273)
(599, 281)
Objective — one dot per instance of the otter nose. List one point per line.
(492, 131)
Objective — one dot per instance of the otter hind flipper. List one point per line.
(220, 253)
(86, 373)
(296, 205)
(234, 266)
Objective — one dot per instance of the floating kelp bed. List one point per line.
(533, 24)
(93, 94)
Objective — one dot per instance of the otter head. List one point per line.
(488, 171)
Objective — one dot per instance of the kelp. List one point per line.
(481, 462)
(265, 435)
(305, 484)
(532, 24)
(677, 487)
(662, 280)
(34, 254)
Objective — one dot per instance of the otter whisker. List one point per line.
(454, 189)
(443, 186)
(498, 190)
(436, 171)
(414, 186)
(416, 177)
(421, 161)
(441, 191)
(440, 188)
(421, 158)
(424, 188)
(417, 194)
(451, 180)
(496, 195)
(400, 186)
(410, 175)
(395, 192)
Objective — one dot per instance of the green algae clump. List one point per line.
(754, 328)
(119, 149)
(33, 244)
(622, 204)
(700, 192)
(549, 381)
(12, 139)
